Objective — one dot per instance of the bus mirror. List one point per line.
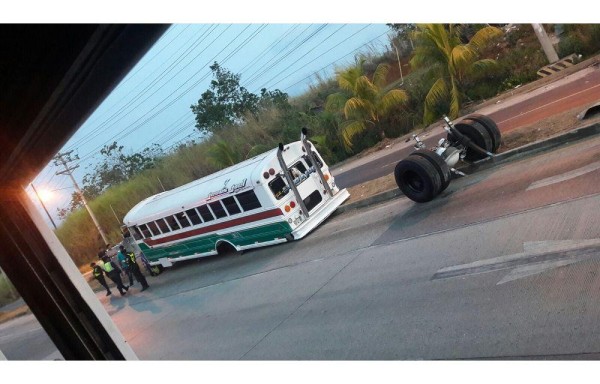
(304, 131)
(281, 147)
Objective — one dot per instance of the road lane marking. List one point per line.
(542, 257)
(565, 176)
(545, 105)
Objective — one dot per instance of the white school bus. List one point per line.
(278, 196)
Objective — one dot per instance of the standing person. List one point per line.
(98, 273)
(125, 265)
(134, 267)
(114, 273)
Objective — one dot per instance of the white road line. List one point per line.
(388, 164)
(565, 176)
(545, 105)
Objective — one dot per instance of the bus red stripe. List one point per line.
(215, 227)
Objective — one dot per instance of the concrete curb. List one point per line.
(535, 148)
(505, 157)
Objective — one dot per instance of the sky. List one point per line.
(152, 103)
(271, 44)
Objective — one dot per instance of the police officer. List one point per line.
(125, 266)
(134, 267)
(114, 273)
(99, 275)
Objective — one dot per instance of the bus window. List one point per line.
(248, 201)
(182, 220)
(300, 167)
(205, 213)
(153, 228)
(217, 209)
(144, 230)
(135, 233)
(319, 161)
(279, 187)
(163, 225)
(231, 205)
(192, 214)
(172, 223)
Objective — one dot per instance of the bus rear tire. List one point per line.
(491, 127)
(477, 134)
(225, 248)
(440, 165)
(418, 179)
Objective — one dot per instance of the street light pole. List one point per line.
(542, 36)
(43, 206)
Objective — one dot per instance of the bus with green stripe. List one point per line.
(278, 196)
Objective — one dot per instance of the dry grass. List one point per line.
(543, 129)
(6, 316)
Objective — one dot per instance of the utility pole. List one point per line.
(547, 46)
(59, 159)
(43, 206)
(399, 64)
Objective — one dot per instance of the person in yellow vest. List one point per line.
(114, 273)
(134, 267)
(98, 274)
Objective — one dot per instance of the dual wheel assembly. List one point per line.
(426, 173)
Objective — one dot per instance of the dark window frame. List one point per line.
(181, 219)
(235, 204)
(174, 221)
(282, 194)
(144, 230)
(208, 212)
(251, 202)
(222, 210)
(196, 215)
(151, 224)
(166, 228)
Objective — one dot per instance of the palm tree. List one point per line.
(363, 102)
(223, 154)
(439, 47)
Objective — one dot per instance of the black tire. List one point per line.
(440, 165)
(478, 135)
(491, 127)
(418, 179)
(225, 248)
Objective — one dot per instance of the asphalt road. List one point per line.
(515, 112)
(505, 264)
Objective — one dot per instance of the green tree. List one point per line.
(224, 154)
(439, 47)
(364, 102)
(225, 103)
(117, 167)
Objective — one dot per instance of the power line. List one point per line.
(63, 159)
(296, 61)
(137, 99)
(319, 29)
(335, 61)
(129, 131)
(261, 54)
(255, 73)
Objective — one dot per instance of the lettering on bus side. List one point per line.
(228, 190)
